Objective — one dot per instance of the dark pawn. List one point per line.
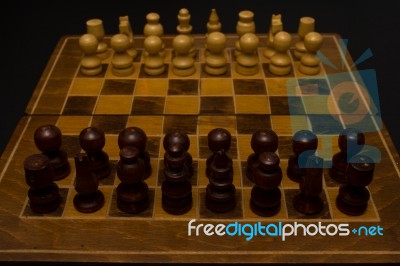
(220, 192)
(176, 188)
(88, 198)
(308, 201)
(43, 194)
(304, 144)
(181, 138)
(132, 192)
(266, 195)
(261, 141)
(136, 137)
(219, 139)
(354, 196)
(92, 141)
(48, 141)
(350, 142)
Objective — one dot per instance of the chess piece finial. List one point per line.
(213, 23)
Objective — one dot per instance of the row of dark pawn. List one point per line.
(354, 170)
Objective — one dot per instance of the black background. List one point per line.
(31, 30)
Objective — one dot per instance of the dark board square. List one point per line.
(227, 74)
(249, 86)
(325, 124)
(282, 105)
(148, 105)
(110, 124)
(205, 152)
(161, 177)
(183, 87)
(115, 212)
(79, 105)
(267, 73)
(71, 145)
(187, 123)
(57, 213)
(329, 181)
(235, 213)
(143, 74)
(100, 75)
(118, 87)
(109, 180)
(314, 86)
(138, 56)
(153, 146)
(294, 214)
(217, 105)
(248, 124)
(245, 181)
(285, 149)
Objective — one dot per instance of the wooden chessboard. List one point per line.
(196, 104)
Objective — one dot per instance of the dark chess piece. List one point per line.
(43, 194)
(266, 195)
(48, 140)
(308, 200)
(176, 188)
(304, 144)
(132, 192)
(261, 141)
(136, 137)
(89, 198)
(180, 137)
(92, 141)
(354, 196)
(350, 142)
(220, 192)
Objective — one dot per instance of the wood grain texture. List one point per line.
(111, 236)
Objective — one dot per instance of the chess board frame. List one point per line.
(154, 236)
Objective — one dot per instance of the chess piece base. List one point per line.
(308, 205)
(89, 203)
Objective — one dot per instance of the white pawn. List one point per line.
(280, 62)
(309, 62)
(154, 27)
(121, 62)
(182, 63)
(247, 61)
(125, 28)
(153, 62)
(90, 63)
(215, 58)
